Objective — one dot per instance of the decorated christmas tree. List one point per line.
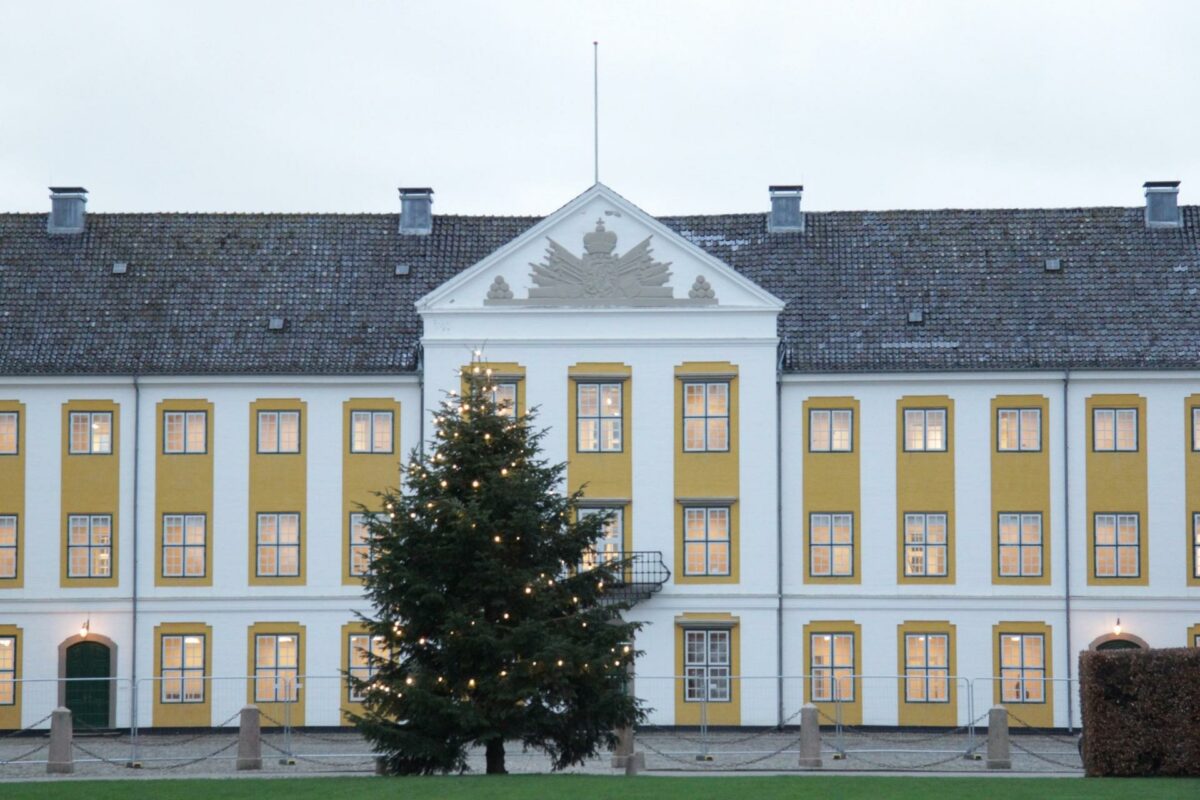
(491, 618)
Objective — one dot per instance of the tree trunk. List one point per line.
(495, 757)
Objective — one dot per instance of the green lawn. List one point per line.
(581, 787)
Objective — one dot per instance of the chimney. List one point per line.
(416, 211)
(785, 216)
(1162, 204)
(66, 209)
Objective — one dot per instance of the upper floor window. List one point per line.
(1117, 546)
(183, 546)
(924, 429)
(925, 545)
(8, 433)
(705, 416)
(1018, 429)
(831, 545)
(1020, 545)
(370, 431)
(91, 432)
(182, 669)
(926, 668)
(1115, 429)
(829, 430)
(832, 667)
(611, 544)
(504, 395)
(8, 546)
(1022, 668)
(278, 545)
(360, 545)
(89, 546)
(364, 653)
(279, 431)
(599, 417)
(1196, 428)
(276, 667)
(185, 432)
(706, 541)
(8, 670)
(707, 665)
(1195, 545)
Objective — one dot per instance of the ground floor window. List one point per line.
(182, 668)
(1022, 668)
(831, 665)
(276, 667)
(8, 670)
(365, 650)
(926, 668)
(707, 665)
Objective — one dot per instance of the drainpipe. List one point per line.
(779, 530)
(1067, 541)
(419, 364)
(137, 408)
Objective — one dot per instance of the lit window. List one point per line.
(89, 546)
(705, 417)
(1195, 545)
(924, 429)
(8, 433)
(1022, 668)
(183, 669)
(8, 546)
(831, 544)
(925, 545)
(8, 670)
(278, 545)
(611, 544)
(1115, 429)
(276, 667)
(1018, 429)
(706, 541)
(1020, 545)
(185, 432)
(184, 545)
(371, 432)
(504, 396)
(365, 653)
(1196, 428)
(832, 667)
(1117, 546)
(91, 432)
(599, 417)
(360, 544)
(926, 668)
(707, 666)
(279, 431)
(829, 430)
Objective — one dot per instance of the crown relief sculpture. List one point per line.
(600, 277)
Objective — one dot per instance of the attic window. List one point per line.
(275, 324)
(916, 317)
(1053, 265)
(119, 267)
(402, 269)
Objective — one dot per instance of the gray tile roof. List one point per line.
(199, 289)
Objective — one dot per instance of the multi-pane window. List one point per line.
(8, 670)
(8, 433)
(1022, 668)
(831, 544)
(1196, 545)
(831, 665)
(365, 652)
(926, 668)
(705, 416)
(183, 668)
(89, 546)
(707, 666)
(706, 541)
(1020, 545)
(1018, 429)
(924, 545)
(599, 417)
(184, 544)
(91, 432)
(504, 395)
(278, 545)
(611, 544)
(924, 429)
(1115, 429)
(370, 431)
(8, 546)
(279, 431)
(829, 430)
(276, 667)
(1196, 428)
(185, 432)
(360, 544)
(1117, 546)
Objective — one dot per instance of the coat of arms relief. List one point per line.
(600, 277)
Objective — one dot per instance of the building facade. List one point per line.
(944, 451)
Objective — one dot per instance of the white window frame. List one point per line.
(613, 423)
(1195, 545)
(10, 523)
(175, 681)
(269, 444)
(921, 416)
(373, 420)
(1018, 422)
(188, 422)
(90, 424)
(708, 543)
(825, 430)
(1015, 679)
(610, 547)
(10, 420)
(185, 546)
(1116, 520)
(1023, 522)
(705, 420)
(360, 544)
(708, 665)
(95, 551)
(283, 680)
(8, 671)
(827, 672)
(376, 648)
(932, 681)
(502, 393)
(1196, 428)
(923, 546)
(830, 522)
(1106, 422)
(276, 546)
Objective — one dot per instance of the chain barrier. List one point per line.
(774, 730)
(99, 757)
(1047, 759)
(1072, 740)
(31, 726)
(886, 765)
(856, 730)
(140, 740)
(314, 760)
(191, 761)
(26, 754)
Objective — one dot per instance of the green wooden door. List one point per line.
(88, 699)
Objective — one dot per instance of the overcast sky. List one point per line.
(329, 106)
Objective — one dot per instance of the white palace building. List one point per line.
(917, 444)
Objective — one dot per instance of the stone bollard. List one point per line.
(249, 752)
(625, 756)
(61, 760)
(810, 738)
(999, 755)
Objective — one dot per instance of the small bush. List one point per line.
(1141, 712)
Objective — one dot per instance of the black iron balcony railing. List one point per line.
(637, 575)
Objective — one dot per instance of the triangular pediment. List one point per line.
(599, 251)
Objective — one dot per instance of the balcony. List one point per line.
(638, 575)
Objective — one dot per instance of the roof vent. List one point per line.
(416, 211)
(1053, 265)
(119, 268)
(66, 209)
(785, 216)
(1162, 204)
(275, 324)
(402, 269)
(916, 317)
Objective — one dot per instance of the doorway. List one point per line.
(88, 690)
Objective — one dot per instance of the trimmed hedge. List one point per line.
(1141, 712)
